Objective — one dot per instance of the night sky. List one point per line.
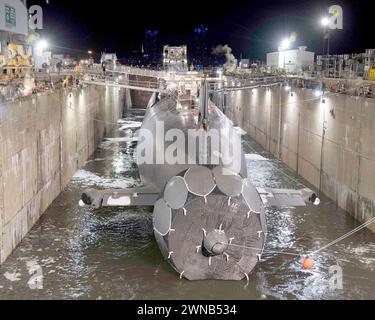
(251, 28)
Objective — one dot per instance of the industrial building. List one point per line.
(291, 60)
(108, 58)
(175, 58)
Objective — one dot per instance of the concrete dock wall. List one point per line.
(330, 142)
(44, 140)
(140, 99)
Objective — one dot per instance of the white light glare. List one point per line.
(318, 93)
(287, 88)
(324, 22)
(41, 44)
(285, 44)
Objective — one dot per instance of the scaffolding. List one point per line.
(346, 66)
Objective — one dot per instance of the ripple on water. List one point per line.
(86, 178)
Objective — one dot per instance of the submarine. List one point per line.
(209, 219)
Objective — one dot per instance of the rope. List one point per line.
(345, 236)
(270, 251)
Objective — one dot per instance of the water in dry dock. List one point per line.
(75, 253)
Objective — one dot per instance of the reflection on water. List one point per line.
(111, 253)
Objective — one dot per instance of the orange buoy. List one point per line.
(307, 263)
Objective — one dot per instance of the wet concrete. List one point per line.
(327, 141)
(76, 253)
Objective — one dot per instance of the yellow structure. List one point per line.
(19, 56)
(371, 73)
(18, 59)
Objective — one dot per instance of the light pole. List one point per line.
(325, 23)
(39, 48)
(284, 46)
(280, 121)
(91, 60)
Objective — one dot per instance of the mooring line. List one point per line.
(265, 250)
(345, 236)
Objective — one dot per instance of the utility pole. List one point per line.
(327, 38)
(280, 122)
